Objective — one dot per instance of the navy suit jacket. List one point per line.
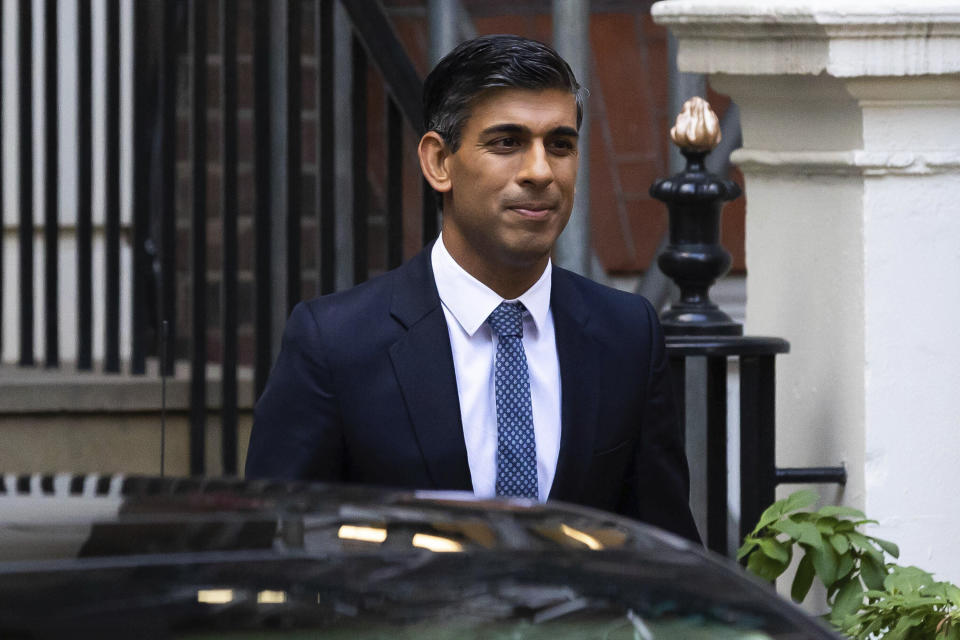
(364, 391)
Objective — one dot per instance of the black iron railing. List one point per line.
(696, 327)
(231, 172)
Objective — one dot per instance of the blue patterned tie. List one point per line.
(516, 446)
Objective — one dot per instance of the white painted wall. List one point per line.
(851, 159)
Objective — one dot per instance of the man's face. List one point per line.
(511, 183)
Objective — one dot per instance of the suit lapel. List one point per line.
(578, 386)
(423, 363)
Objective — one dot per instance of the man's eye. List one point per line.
(563, 146)
(505, 143)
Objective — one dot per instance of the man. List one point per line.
(478, 365)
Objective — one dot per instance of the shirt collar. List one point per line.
(471, 302)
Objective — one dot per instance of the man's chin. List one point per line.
(528, 255)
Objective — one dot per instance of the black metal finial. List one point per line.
(694, 258)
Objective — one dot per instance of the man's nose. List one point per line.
(536, 169)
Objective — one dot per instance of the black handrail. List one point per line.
(384, 49)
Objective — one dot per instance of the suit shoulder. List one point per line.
(360, 300)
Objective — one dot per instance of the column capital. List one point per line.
(843, 38)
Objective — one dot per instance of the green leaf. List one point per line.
(806, 533)
(825, 526)
(765, 567)
(840, 543)
(872, 572)
(800, 500)
(863, 543)
(769, 516)
(952, 630)
(887, 546)
(780, 508)
(903, 627)
(776, 550)
(803, 579)
(907, 580)
(845, 526)
(825, 563)
(849, 599)
(952, 593)
(845, 565)
(873, 628)
(748, 545)
(789, 527)
(841, 511)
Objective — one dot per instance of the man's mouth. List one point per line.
(532, 209)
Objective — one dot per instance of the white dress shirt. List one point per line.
(466, 305)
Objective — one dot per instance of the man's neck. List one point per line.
(507, 281)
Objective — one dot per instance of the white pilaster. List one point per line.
(850, 113)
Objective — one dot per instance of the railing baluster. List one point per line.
(142, 138)
(717, 454)
(394, 185)
(343, 117)
(167, 201)
(25, 161)
(326, 263)
(228, 214)
(293, 159)
(371, 23)
(757, 440)
(358, 97)
(112, 214)
(51, 254)
(261, 125)
(84, 190)
(198, 267)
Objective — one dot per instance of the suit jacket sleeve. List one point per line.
(297, 430)
(660, 491)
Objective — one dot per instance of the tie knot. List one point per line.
(507, 319)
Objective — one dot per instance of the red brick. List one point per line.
(308, 243)
(246, 192)
(412, 32)
(629, 107)
(245, 26)
(245, 347)
(214, 137)
(637, 176)
(245, 248)
(183, 139)
(245, 81)
(308, 141)
(245, 137)
(307, 31)
(213, 25)
(648, 222)
(214, 92)
(308, 88)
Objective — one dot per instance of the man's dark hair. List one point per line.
(490, 62)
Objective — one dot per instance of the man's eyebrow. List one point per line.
(509, 127)
(570, 132)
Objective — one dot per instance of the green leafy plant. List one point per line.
(867, 596)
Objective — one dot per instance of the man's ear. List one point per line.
(434, 152)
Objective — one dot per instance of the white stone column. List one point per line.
(851, 126)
